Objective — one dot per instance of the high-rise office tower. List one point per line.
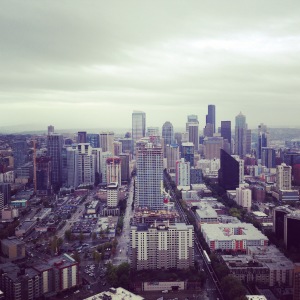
(212, 146)
(50, 129)
(93, 139)
(268, 157)
(72, 166)
(188, 152)
(125, 171)
(240, 135)
(149, 166)
(5, 194)
(262, 136)
(194, 135)
(104, 157)
(153, 131)
(172, 155)
(113, 170)
(168, 133)
(211, 116)
(283, 177)
(19, 148)
(86, 164)
(208, 130)
(127, 145)
(81, 137)
(54, 146)
(43, 176)
(182, 172)
(117, 148)
(191, 119)
(112, 194)
(138, 125)
(226, 133)
(231, 172)
(107, 141)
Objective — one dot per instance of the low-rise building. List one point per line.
(115, 294)
(13, 248)
(232, 237)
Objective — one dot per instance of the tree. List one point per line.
(76, 256)
(94, 236)
(81, 237)
(68, 235)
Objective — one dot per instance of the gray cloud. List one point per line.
(62, 61)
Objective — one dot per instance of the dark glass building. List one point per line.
(211, 116)
(229, 171)
(226, 132)
(188, 152)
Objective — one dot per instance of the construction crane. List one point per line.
(167, 199)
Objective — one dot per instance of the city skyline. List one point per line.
(76, 65)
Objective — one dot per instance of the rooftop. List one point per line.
(115, 294)
(226, 232)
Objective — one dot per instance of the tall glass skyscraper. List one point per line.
(211, 116)
(167, 135)
(54, 146)
(240, 135)
(149, 165)
(138, 125)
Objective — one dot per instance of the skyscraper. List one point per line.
(149, 165)
(107, 141)
(86, 164)
(188, 152)
(113, 170)
(93, 139)
(5, 194)
(182, 172)
(283, 177)
(194, 135)
(231, 172)
(19, 148)
(240, 135)
(167, 135)
(262, 136)
(138, 125)
(43, 176)
(50, 129)
(54, 146)
(268, 157)
(211, 116)
(81, 137)
(226, 132)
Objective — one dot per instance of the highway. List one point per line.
(212, 285)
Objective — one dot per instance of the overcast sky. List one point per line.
(89, 64)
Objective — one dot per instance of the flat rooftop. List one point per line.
(224, 232)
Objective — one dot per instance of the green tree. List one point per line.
(68, 235)
(76, 256)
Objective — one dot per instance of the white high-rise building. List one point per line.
(107, 141)
(112, 194)
(172, 155)
(72, 166)
(113, 170)
(138, 125)
(182, 172)
(86, 164)
(149, 166)
(104, 157)
(283, 177)
(160, 246)
(244, 196)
